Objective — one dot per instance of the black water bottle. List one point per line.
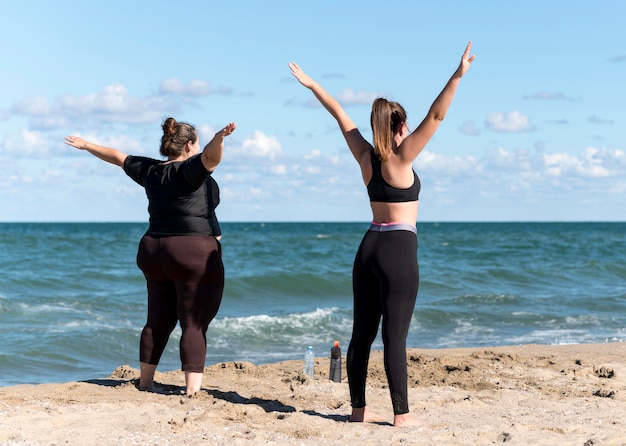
(335, 363)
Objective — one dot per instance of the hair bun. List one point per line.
(169, 127)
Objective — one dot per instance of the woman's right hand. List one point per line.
(302, 77)
(107, 154)
(76, 141)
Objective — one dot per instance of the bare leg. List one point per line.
(193, 380)
(146, 376)
(405, 420)
(363, 415)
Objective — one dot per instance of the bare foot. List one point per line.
(406, 420)
(193, 382)
(364, 415)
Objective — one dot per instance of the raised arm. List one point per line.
(107, 154)
(416, 141)
(213, 151)
(357, 144)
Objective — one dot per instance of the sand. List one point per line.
(521, 395)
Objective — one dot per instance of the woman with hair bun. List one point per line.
(385, 274)
(180, 254)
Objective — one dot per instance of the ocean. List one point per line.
(73, 302)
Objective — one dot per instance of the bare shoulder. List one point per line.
(357, 144)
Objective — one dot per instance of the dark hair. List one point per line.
(175, 136)
(386, 119)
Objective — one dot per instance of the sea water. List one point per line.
(73, 302)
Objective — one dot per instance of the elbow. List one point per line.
(437, 113)
(215, 157)
(439, 116)
(211, 161)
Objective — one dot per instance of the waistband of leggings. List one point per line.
(385, 227)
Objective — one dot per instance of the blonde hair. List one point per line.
(386, 119)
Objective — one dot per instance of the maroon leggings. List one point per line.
(185, 280)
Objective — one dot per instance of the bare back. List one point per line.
(397, 174)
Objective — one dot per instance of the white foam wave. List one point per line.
(256, 323)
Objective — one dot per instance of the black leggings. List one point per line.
(385, 280)
(185, 280)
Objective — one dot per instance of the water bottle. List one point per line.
(309, 362)
(335, 363)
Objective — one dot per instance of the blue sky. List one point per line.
(535, 133)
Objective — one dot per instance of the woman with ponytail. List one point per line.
(385, 274)
(180, 254)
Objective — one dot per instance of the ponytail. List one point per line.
(386, 119)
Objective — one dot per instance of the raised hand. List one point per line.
(230, 128)
(76, 141)
(466, 60)
(302, 77)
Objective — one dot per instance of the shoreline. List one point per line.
(528, 394)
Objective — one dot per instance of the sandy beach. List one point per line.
(531, 394)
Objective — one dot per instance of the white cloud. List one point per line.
(27, 144)
(524, 185)
(52, 122)
(259, 145)
(258, 179)
(279, 169)
(205, 133)
(347, 97)
(592, 163)
(541, 184)
(448, 166)
(286, 181)
(31, 106)
(113, 104)
(499, 178)
(30, 144)
(618, 188)
(125, 144)
(512, 122)
(511, 161)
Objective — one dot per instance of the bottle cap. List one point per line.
(336, 343)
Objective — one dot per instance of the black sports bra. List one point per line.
(381, 191)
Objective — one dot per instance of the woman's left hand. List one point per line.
(230, 128)
(302, 77)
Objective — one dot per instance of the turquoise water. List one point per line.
(72, 301)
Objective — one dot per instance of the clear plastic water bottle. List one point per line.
(309, 362)
(335, 363)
